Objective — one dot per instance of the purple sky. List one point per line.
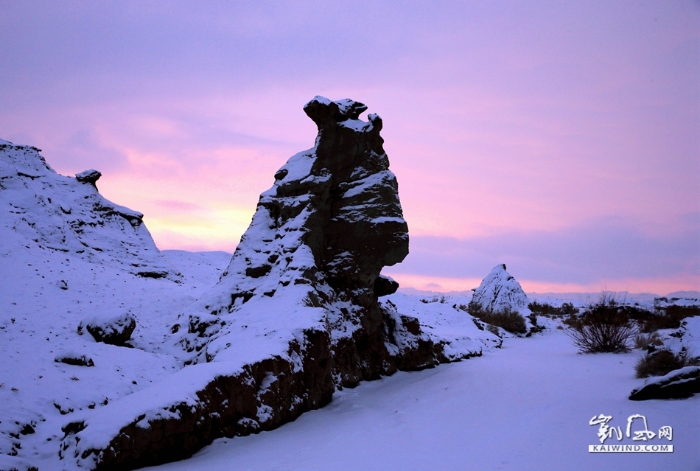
(560, 138)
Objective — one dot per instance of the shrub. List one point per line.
(507, 319)
(662, 362)
(603, 327)
(545, 309)
(645, 341)
(670, 318)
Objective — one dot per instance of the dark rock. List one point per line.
(114, 330)
(678, 384)
(384, 286)
(74, 359)
(88, 176)
(309, 262)
(152, 274)
(229, 406)
(27, 429)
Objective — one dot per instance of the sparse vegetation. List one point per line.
(668, 318)
(645, 341)
(545, 309)
(602, 327)
(663, 361)
(509, 320)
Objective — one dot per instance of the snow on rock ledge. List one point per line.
(499, 291)
(678, 384)
(62, 214)
(295, 316)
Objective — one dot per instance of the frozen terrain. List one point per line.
(524, 407)
(106, 339)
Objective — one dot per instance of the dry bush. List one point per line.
(644, 341)
(507, 319)
(661, 362)
(545, 309)
(669, 318)
(603, 328)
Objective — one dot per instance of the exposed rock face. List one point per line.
(678, 384)
(499, 291)
(295, 316)
(40, 208)
(324, 231)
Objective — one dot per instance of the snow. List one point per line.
(526, 406)
(500, 291)
(42, 209)
(298, 166)
(67, 256)
(673, 374)
(442, 321)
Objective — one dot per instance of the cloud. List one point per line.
(584, 254)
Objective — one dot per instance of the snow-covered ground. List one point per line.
(44, 296)
(526, 406)
(68, 258)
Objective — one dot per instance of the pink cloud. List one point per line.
(514, 118)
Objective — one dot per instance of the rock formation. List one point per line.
(112, 330)
(499, 292)
(678, 384)
(42, 209)
(295, 316)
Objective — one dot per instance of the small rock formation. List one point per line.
(678, 384)
(112, 330)
(40, 208)
(89, 176)
(499, 292)
(295, 316)
(76, 359)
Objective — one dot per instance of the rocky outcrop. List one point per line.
(295, 316)
(42, 209)
(112, 330)
(75, 359)
(500, 292)
(678, 384)
(89, 176)
(320, 235)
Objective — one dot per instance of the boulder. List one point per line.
(678, 384)
(113, 330)
(88, 176)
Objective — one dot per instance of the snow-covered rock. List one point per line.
(71, 357)
(42, 209)
(113, 329)
(677, 384)
(295, 315)
(499, 291)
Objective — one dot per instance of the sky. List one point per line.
(559, 138)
